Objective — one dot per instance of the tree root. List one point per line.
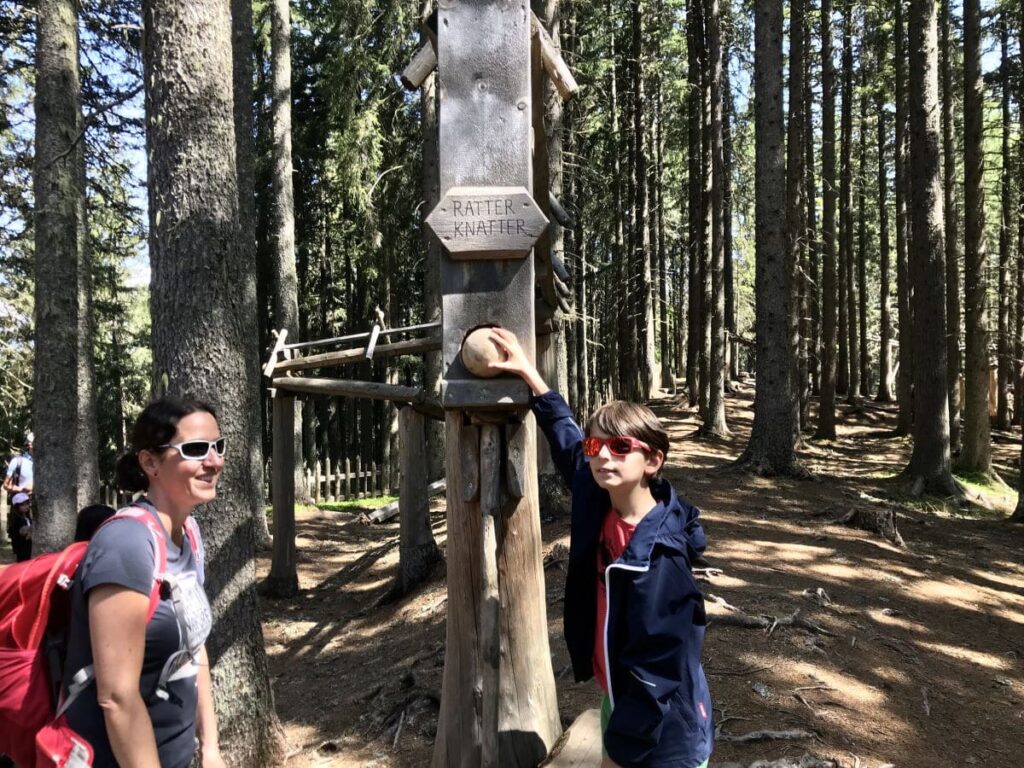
(746, 738)
(734, 617)
(807, 761)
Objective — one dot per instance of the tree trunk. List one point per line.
(904, 312)
(884, 281)
(976, 454)
(1018, 334)
(715, 424)
(929, 468)
(286, 287)
(704, 267)
(862, 230)
(204, 334)
(795, 231)
(826, 407)
(694, 119)
(813, 244)
(952, 230)
(417, 549)
(1005, 296)
(847, 288)
(729, 112)
(64, 410)
(772, 446)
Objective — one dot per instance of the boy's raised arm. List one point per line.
(553, 414)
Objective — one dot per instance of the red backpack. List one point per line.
(35, 608)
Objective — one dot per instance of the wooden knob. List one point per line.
(478, 351)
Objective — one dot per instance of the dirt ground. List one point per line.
(919, 663)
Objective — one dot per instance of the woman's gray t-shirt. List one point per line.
(123, 552)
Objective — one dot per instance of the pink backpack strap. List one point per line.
(194, 540)
(157, 534)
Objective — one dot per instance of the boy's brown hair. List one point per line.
(620, 417)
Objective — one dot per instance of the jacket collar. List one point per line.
(664, 524)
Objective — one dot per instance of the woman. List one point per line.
(150, 702)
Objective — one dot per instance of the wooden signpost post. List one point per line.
(498, 702)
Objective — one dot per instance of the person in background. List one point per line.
(89, 520)
(19, 475)
(19, 526)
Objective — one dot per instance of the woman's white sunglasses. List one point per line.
(197, 450)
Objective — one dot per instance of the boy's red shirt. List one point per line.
(615, 536)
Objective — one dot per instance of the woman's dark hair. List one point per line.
(90, 519)
(155, 427)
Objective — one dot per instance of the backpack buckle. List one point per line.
(64, 581)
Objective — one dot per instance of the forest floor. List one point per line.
(919, 661)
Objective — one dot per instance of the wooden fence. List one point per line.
(344, 482)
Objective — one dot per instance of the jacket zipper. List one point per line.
(607, 616)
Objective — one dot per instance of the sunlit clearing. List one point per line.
(854, 692)
(758, 550)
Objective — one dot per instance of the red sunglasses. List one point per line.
(620, 445)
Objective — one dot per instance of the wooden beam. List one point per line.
(390, 511)
(554, 64)
(349, 356)
(279, 345)
(360, 336)
(419, 69)
(416, 397)
(562, 216)
(490, 634)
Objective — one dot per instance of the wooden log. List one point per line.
(317, 466)
(392, 510)
(283, 580)
(419, 69)
(279, 345)
(490, 613)
(372, 481)
(417, 397)
(416, 546)
(348, 478)
(350, 356)
(555, 66)
(359, 477)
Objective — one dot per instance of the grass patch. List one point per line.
(979, 482)
(353, 505)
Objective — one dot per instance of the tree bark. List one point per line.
(795, 232)
(64, 409)
(715, 423)
(729, 112)
(929, 469)
(813, 244)
(204, 334)
(826, 408)
(976, 453)
(864, 361)
(904, 313)
(1005, 296)
(848, 349)
(951, 214)
(694, 119)
(885, 382)
(772, 446)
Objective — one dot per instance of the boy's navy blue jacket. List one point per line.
(654, 635)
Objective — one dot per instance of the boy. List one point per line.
(19, 527)
(634, 616)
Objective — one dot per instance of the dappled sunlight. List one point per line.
(757, 550)
(889, 618)
(982, 659)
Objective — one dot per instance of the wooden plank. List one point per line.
(348, 478)
(328, 478)
(490, 606)
(484, 141)
(417, 397)
(359, 477)
(283, 579)
(469, 461)
(515, 459)
(317, 467)
(541, 173)
(360, 336)
(393, 509)
(279, 345)
(581, 745)
(350, 356)
(487, 222)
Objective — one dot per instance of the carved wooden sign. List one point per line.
(487, 222)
